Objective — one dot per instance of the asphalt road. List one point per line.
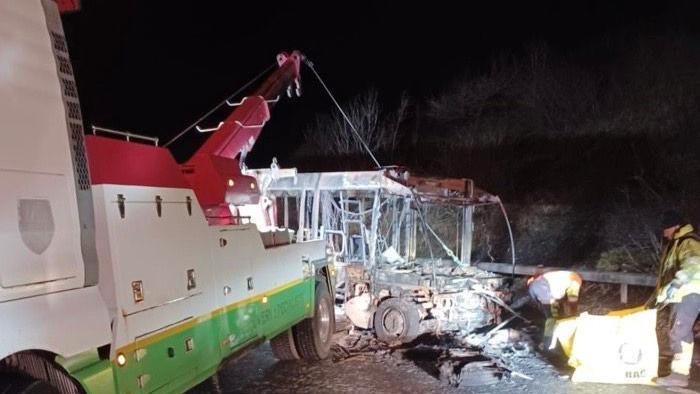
(413, 370)
(400, 372)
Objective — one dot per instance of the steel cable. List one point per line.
(211, 111)
(347, 119)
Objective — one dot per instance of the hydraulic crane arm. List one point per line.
(214, 171)
(252, 112)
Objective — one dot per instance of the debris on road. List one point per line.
(520, 375)
(506, 353)
(465, 371)
(357, 343)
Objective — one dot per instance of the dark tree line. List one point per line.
(587, 146)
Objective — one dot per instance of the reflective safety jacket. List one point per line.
(680, 265)
(553, 286)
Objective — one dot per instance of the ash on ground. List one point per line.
(504, 357)
(508, 362)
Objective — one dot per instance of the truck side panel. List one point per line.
(276, 270)
(162, 247)
(174, 336)
(49, 323)
(40, 227)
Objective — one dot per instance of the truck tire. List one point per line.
(22, 384)
(313, 336)
(396, 320)
(283, 347)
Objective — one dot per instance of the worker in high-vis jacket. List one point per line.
(678, 284)
(556, 293)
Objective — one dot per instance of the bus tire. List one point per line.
(396, 320)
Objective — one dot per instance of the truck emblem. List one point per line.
(35, 223)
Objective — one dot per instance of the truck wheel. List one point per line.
(21, 384)
(396, 320)
(313, 336)
(283, 346)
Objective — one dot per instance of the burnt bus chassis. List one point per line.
(374, 222)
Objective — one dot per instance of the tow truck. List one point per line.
(122, 271)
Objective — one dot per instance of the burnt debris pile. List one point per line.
(508, 355)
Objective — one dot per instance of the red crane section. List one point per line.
(214, 171)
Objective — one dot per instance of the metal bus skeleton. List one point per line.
(122, 271)
(390, 279)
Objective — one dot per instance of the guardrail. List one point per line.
(624, 279)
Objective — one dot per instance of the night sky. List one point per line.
(154, 67)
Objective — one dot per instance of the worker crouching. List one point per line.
(556, 294)
(679, 285)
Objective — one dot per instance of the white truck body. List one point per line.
(131, 268)
(42, 270)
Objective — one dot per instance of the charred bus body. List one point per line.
(402, 244)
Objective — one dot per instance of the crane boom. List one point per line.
(214, 171)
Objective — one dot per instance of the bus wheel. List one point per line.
(396, 320)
